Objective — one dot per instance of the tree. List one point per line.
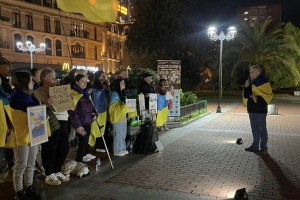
(267, 47)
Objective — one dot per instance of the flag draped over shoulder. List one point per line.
(162, 110)
(117, 108)
(3, 127)
(261, 87)
(99, 101)
(95, 132)
(92, 10)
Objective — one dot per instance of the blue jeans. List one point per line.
(259, 130)
(120, 130)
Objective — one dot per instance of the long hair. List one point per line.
(21, 81)
(117, 88)
(96, 81)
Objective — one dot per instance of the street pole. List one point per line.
(31, 48)
(212, 34)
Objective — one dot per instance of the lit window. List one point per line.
(246, 19)
(246, 13)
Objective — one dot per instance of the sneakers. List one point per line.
(262, 151)
(101, 150)
(85, 159)
(167, 129)
(90, 156)
(62, 177)
(20, 195)
(125, 152)
(31, 193)
(120, 154)
(251, 149)
(52, 180)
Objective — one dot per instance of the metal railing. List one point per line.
(195, 107)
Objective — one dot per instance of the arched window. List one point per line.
(17, 38)
(58, 48)
(30, 38)
(48, 47)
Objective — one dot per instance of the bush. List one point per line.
(187, 98)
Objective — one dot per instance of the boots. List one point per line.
(32, 194)
(20, 195)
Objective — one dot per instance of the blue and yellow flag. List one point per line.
(92, 10)
(117, 108)
(100, 103)
(162, 110)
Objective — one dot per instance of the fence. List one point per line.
(195, 107)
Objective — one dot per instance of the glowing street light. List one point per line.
(212, 34)
(31, 48)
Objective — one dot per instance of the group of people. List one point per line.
(91, 98)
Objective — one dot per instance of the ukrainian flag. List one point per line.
(95, 131)
(117, 108)
(100, 102)
(260, 87)
(162, 110)
(3, 127)
(92, 10)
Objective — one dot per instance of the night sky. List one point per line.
(223, 12)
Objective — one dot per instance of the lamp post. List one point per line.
(212, 34)
(31, 48)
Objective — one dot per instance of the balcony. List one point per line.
(17, 24)
(4, 45)
(82, 34)
(5, 19)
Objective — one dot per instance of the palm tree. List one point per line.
(267, 47)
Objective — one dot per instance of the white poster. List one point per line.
(174, 104)
(141, 102)
(131, 103)
(153, 102)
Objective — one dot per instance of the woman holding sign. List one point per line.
(24, 154)
(55, 151)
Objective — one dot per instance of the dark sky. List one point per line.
(223, 12)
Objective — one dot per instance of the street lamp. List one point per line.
(212, 34)
(31, 48)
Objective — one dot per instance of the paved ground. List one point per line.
(199, 161)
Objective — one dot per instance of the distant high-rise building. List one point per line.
(261, 13)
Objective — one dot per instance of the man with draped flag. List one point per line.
(257, 95)
(92, 10)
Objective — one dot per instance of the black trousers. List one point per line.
(107, 136)
(55, 151)
(83, 146)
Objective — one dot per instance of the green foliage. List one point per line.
(192, 116)
(187, 98)
(135, 75)
(268, 47)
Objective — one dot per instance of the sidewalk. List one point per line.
(202, 161)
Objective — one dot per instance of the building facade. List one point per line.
(261, 13)
(70, 39)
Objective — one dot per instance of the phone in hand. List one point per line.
(83, 133)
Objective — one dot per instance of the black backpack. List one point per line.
(146, 138)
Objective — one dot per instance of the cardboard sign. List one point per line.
(142, 102)
(62, 100)
(131, 103)
(153, 102)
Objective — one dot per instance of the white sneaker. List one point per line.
(120, 154)
(161, 129)
(52, 180)
(62, 177)
(90, 156)
(167, 129)
(85, 159)
(101, 150)
(125, 152)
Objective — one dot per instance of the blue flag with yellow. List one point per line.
(100, 103)
(162, 110)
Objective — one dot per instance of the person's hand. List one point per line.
(122, 85)
(80, 130)
(9, 134)
(253, 97)
(247, 83)
(49, 101)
